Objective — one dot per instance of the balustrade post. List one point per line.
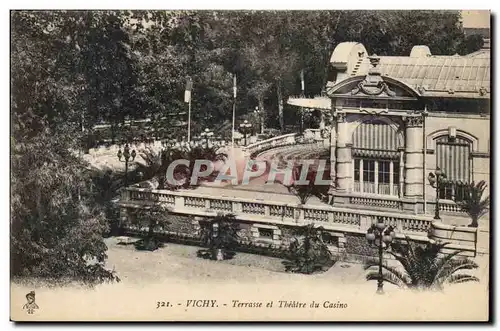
(365, 222)
(237, 207)
(125, 194)
(179, 202)
(299, 215)
(207, 203)
(267, 210)
(331, 217)
(399, 225)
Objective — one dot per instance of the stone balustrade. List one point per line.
(380, 202)
(333, 218)
(448, 206)
(279, 141)
(270, 213)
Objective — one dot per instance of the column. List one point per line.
(391, 178)
(333, 148)
(414, 157)
(361, 176)
(343, 155)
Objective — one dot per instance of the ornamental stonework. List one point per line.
(414, 121)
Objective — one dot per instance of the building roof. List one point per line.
(316, 102)
(465, 76)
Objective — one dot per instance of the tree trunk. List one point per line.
(263, 116)
(474, 223)
(280, 105)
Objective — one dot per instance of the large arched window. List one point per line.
(376, 160)
(453, 156)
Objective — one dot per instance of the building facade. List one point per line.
(395, 119)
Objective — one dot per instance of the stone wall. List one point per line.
(344, 246)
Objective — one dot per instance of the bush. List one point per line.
(308, 254)
(220, 236)
(156, 220)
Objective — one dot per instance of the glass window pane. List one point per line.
(395, 173)
(356, 169)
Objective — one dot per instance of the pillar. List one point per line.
(414, 157)
(333, 151)
(343, 160)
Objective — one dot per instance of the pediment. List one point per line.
(372, 87)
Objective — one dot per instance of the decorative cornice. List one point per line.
(373, 84)
(340, 117)
(480, 154)
(414, 121)
(373, 87)
(374, 111)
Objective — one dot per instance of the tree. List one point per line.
(473, 203)
(56, 221)
(220, 236)
(424, 267)
(56, 226)
(308, 253)
(156, 218)
(308, 187)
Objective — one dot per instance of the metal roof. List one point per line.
(316, 102)
(461, 76)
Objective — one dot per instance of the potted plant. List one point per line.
(308, 253)
(220, 236)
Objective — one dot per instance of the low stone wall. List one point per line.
(458, 237)
(346, 246)
(186, 229)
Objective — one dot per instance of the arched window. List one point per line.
(453, 156)
(376, 160)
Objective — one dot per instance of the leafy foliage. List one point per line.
(57, 222)
(307, 187)
(156, 218)
(220, 234)
(156, 165)
(309, 253)
(71, 70)
(473, 203)
(56, 226)
(424, 267)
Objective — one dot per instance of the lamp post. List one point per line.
(381, 236)
(259, 113)
(128, 157)
(245, 128)
(437, 179)
(206, 135)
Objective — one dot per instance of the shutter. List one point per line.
(454, 159)
(375, 139)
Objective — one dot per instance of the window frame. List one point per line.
(360, 173)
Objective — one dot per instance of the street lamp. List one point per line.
(128, 157)
(206, 135)
(381, 236)
(260, 113)
(437, 179)
(245, 128)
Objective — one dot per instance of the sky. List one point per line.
(476, 18)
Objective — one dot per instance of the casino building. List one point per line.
(394, 119)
